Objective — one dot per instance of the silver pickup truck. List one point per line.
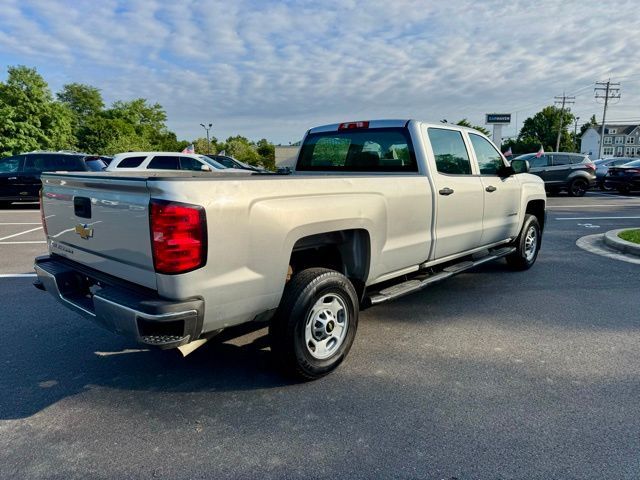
(372, 211)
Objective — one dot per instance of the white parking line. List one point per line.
(21, 233)
(17, 275)
(20, 243)
(597, 218)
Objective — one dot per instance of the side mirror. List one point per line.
(205, 168)
(520, 166)
(506, 171)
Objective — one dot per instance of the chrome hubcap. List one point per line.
(326, 326)
(530, 243)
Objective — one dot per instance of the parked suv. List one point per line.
(20, 174)
(573, 172)
(132, 161)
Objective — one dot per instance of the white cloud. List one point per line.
(276, 68)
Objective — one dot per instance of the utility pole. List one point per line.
(611, 92)
(575, 134)
(563, 100)
(208, 142)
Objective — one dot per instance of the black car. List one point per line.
(231, 162)
(20, 174)
(624, 178)
(602, 167)
(572, 172)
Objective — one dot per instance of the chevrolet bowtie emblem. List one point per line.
(84, 231)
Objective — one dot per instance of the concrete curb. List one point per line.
(612, 240)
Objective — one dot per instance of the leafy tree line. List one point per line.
(76, 118)
(542, 130)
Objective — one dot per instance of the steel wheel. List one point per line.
(326, 326)
(530, 243)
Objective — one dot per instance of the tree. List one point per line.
(242, 149)
(83, 100)
(29, 118)
(200, 144)
(542, 129)
(267, 152)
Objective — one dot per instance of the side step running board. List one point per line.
(422, 281)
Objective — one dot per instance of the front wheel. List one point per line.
(578, 187)
(527, 245)
(315, 324)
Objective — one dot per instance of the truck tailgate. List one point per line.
(101, 222)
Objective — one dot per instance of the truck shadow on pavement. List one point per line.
(42, 369)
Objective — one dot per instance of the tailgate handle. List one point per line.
(82, 207)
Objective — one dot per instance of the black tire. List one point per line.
(623, 190)
(523, 258)
(4, 204)
(289, 326)
(578, 187)
(604, 188)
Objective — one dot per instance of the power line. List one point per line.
(611, 92)
(563, 100)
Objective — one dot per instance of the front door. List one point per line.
(458, 195)
(501, 194)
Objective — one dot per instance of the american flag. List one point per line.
(189, 149)
(540, 152)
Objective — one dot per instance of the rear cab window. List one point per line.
(358, 150)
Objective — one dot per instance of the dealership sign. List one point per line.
(498, 118)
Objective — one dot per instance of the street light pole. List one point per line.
(575, 134)
(207, 128)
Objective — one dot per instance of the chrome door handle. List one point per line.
(445, 191)
(491, 188)
(12, 178)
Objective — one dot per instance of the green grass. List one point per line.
(631, 235)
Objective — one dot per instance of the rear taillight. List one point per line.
(353, 125)
(633, 170)
(44, 223)
(178, 236)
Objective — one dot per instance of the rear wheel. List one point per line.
(578, 187)
(527, 245)
(315, 324)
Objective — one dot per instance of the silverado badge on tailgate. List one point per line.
(84, 231)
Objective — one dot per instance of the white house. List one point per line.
(619, 141)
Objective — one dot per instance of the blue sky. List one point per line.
(273, 69)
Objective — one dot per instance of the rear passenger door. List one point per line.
(501, 194)
(458, 193)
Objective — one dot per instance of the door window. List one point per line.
(188, 163)
(165, 163)
(449, 151)
(560, 160)
(537, 162)
(489, 159)
(10, 164)
(131, 162)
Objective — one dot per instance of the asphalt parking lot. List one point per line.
(489, 375)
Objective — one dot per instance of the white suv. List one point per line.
(154, 161)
